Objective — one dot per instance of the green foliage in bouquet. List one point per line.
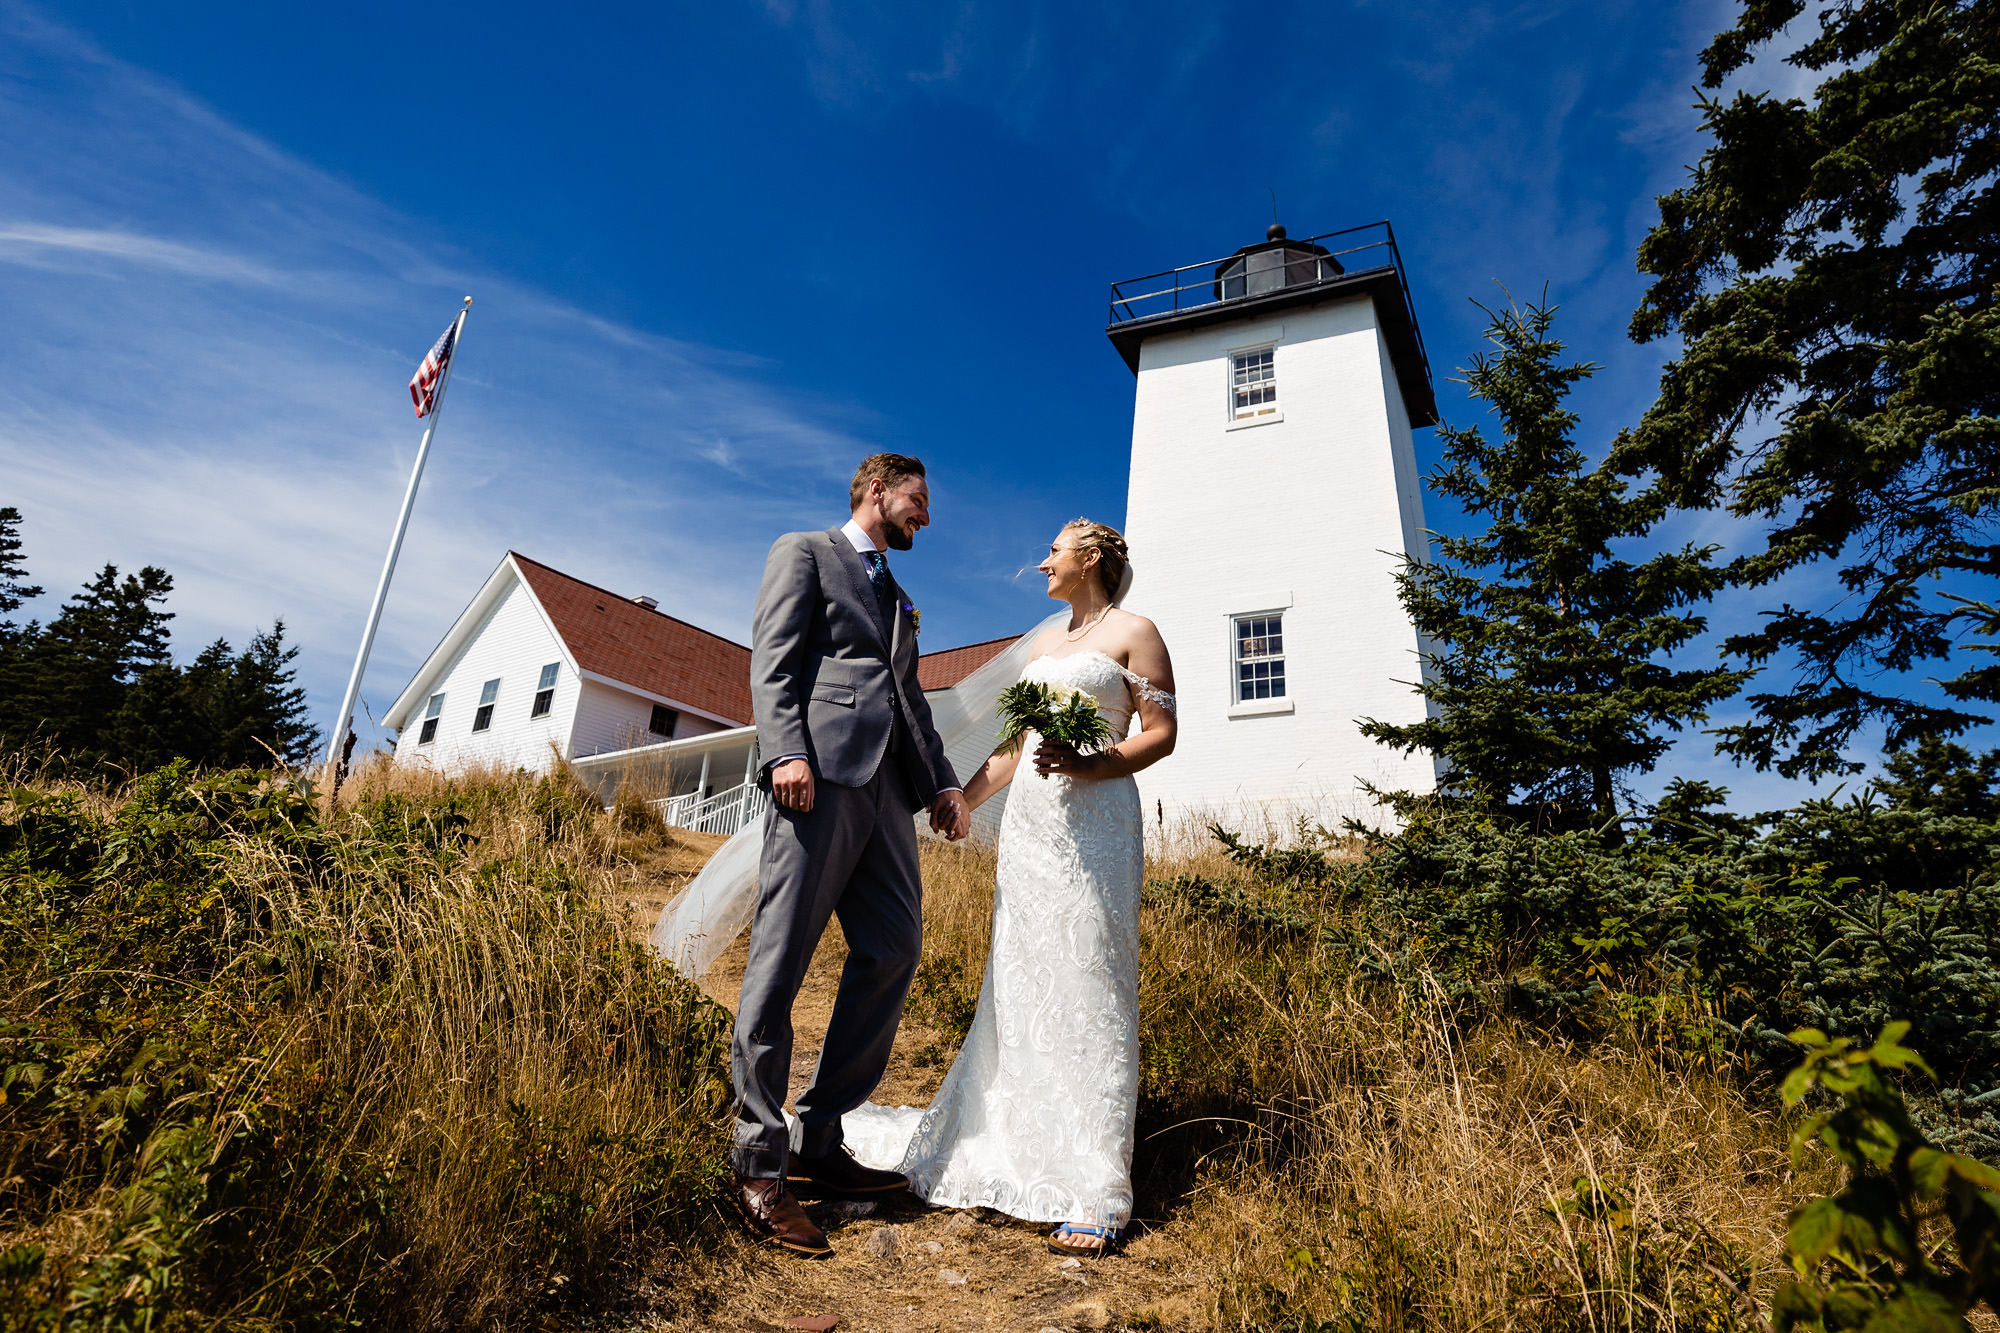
(1054, 713)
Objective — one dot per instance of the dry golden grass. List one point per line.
(1318, 1147)
(489, 998)
(1318, 1150)
(441, 1083)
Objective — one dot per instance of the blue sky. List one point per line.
(720, 252)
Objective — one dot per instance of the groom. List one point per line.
(852, 756)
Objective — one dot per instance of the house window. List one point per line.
(488, 692)
(431, 711)
(663, 721)
(545, 691)
(1253, 385)
(1260, 657)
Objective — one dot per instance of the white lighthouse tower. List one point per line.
(1274, 489)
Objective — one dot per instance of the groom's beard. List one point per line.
(898, 539)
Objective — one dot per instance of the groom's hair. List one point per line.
(885, 468)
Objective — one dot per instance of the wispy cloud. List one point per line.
(208, 342)
(45, 247)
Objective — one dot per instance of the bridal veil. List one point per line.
(699, 925)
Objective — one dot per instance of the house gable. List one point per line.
(410, 703)
(491, 686)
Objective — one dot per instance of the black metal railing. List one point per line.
(1352, 252)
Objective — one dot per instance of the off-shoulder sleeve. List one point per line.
(1146, 690)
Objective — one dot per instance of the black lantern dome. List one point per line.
(1273, 266)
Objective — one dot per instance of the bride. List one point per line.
(1035, 1118)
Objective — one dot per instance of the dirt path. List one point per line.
(902, 1265)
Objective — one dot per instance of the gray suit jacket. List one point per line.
(828, 669)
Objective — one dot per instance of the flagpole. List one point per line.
(339, 736)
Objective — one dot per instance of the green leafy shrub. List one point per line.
(1714, 938)
(264, 1071)
(1862, 1256)
(946, 996)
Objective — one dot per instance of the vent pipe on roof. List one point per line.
(650, 603)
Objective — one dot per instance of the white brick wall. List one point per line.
(1308, 512)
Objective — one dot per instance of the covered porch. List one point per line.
(702, 783)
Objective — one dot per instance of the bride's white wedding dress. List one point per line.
(1035, 1118)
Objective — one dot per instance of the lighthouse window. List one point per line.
(1260, 657)
(1253, 387)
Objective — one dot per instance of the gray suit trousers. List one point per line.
(854, 856)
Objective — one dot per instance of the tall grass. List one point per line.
(1335, 1150)
(406, 1068)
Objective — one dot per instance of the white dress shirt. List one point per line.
(864, 546)
(863, 543)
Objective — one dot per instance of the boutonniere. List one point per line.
(916, 618)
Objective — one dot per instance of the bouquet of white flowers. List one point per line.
(1056, 714)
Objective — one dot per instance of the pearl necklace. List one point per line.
(1075, 634)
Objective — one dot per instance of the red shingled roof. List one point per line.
(942, 670)
(621, 640)
(615, 637)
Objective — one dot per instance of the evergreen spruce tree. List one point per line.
(1544, 650)
(153, 724)
(222, 710)
(97, 684)
(15, 591)
(72, 676)
(1937, 776)
(14, 587)
(1833, 270)
(266, 706)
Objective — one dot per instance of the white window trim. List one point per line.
(490, 709)
(1267, 343)
(1277, 603)
(429, 717)
(554, 671)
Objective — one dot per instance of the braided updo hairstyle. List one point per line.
(1113, 560)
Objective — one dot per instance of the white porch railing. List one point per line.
(726, 812)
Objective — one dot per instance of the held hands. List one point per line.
(792, 785)
(950, 815)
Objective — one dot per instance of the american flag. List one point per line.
(424, 384)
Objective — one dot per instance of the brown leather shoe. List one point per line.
(840, 1175)
(773, 1214)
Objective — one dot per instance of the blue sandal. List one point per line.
(1110, 1236)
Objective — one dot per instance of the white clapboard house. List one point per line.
(542, 668)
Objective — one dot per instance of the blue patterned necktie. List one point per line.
(878, 576)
